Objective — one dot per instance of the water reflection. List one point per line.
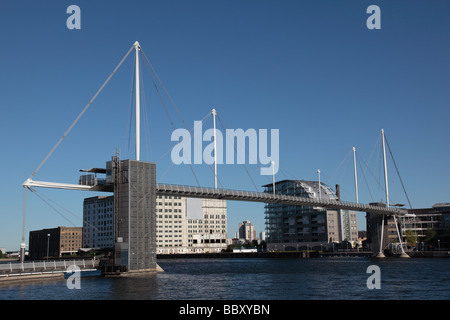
(260, 279)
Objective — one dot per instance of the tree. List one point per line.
(263, 244)
(431, 237)
(411, 238)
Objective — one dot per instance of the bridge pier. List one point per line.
(134, 216)
(377, 233)
(382, 231)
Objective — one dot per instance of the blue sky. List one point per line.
(311, 69)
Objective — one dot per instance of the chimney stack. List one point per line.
(338, 192)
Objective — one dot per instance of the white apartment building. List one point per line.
(183, 225)
(207, 225)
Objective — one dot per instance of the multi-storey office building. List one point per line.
(415, 231)
(207, 225)
(247, 231)
(54, 242)
(298, 227)
(98, 222)
(170, 223)
(436, 219)
(183, 225)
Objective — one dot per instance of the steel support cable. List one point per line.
(327, 180)
(366, 167)
(45, 201)
(174, 105)
(172, 124)
(340, 165)
(237, 154)
(42, 196)
(170, 98)
(380, 168)
(375, 166)
(396, 168)
(81, 114)
(130, 110)
(190, 164)
(364, 176)
(170, 149)
(367, 164)
(164, 88)
(146, 118)
(162, 100)
(176, 109)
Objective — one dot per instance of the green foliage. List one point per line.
(411, 238)
(431, 237)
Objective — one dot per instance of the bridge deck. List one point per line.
(239, 195)
(40, 266)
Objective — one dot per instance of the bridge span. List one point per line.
(236, 195)
(240, 195)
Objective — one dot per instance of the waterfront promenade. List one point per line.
(296, 254)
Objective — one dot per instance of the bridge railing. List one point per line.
(34, 266)
(228, 194)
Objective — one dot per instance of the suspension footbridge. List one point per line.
(133, 183)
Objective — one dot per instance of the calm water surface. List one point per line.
(258, 279)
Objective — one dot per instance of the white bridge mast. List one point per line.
(215, 148)
(356, 176)
(137, 47)
(380, 253)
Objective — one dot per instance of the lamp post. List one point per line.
(273, 176)
(318, 171)
(48, 244)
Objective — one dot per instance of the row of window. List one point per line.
(168, 197)
(179, 204)
(170, 210)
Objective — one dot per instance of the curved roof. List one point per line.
(311, 188)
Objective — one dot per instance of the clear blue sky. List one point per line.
(311, 69)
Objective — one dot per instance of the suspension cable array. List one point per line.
(157, 83)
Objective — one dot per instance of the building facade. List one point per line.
(247, 231)
(183, 225)
(428, 230)
(55, 242)
(430, 225)
(171, 226)
(207, 225)
(98, 222)
(298, 227)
